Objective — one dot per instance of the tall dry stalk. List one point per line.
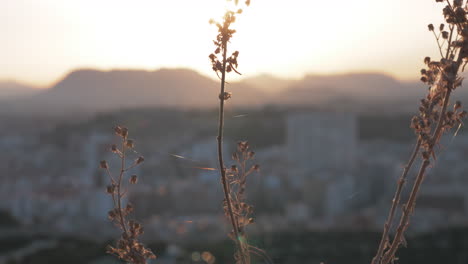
(434, 117)
(236, 177)
(128, 248)
(232, 180)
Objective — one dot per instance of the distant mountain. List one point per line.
(269, 83)
(92, 90)
(358, 91)
(13, 89)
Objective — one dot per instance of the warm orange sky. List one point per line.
(43, 40)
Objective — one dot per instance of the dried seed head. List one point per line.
(449, 114)
(426, 155)
(118, 130)
(430, 27)
(139, 160)
(457, 105)
(110, 189)
(460, 14)
(133, 179)
(111, 214)
(114, 148)
(129, 143)
(441, 27)
(124, 132)
(256, 167)
(103, 164)
(129, 208)
(234, 168)
(242, 146)
(427, 60)
(445, 34)
(226, 96)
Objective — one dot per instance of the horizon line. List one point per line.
(50, 84)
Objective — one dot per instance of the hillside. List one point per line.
(90, 91)
(12, 89)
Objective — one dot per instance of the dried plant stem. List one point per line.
(395, 203)
(222, 168)
(261, 253)
(127, 248)
(408, 209)
(119, 185)
(434, 119)
(410, 205)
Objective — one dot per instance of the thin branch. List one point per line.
(408, 209)
(222, 168)
(119, 184)
(261, 253)
(449, 47)
(395, 203)
(410, 205)
(438, 44)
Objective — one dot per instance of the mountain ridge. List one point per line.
(91, 90)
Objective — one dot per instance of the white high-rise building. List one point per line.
(322, 140)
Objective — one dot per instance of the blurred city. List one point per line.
(324, 92)
(323, 170)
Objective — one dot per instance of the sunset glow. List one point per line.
(43, 40)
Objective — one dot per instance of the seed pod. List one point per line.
(445, 34)
(110, 189)
(129, 143)
(111, 214)
(118, 130)
(234, 168)
(103, 164)
(129, 208)
(124, 132)
(225, 96)
(114, 148)
(425, 155)
(427, 60)
(140, 160)
(133, 179)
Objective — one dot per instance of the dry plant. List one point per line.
(434, 119)
(236, 177)
(233, 180)
(128, 247)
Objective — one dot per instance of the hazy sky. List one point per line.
(41, 40)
